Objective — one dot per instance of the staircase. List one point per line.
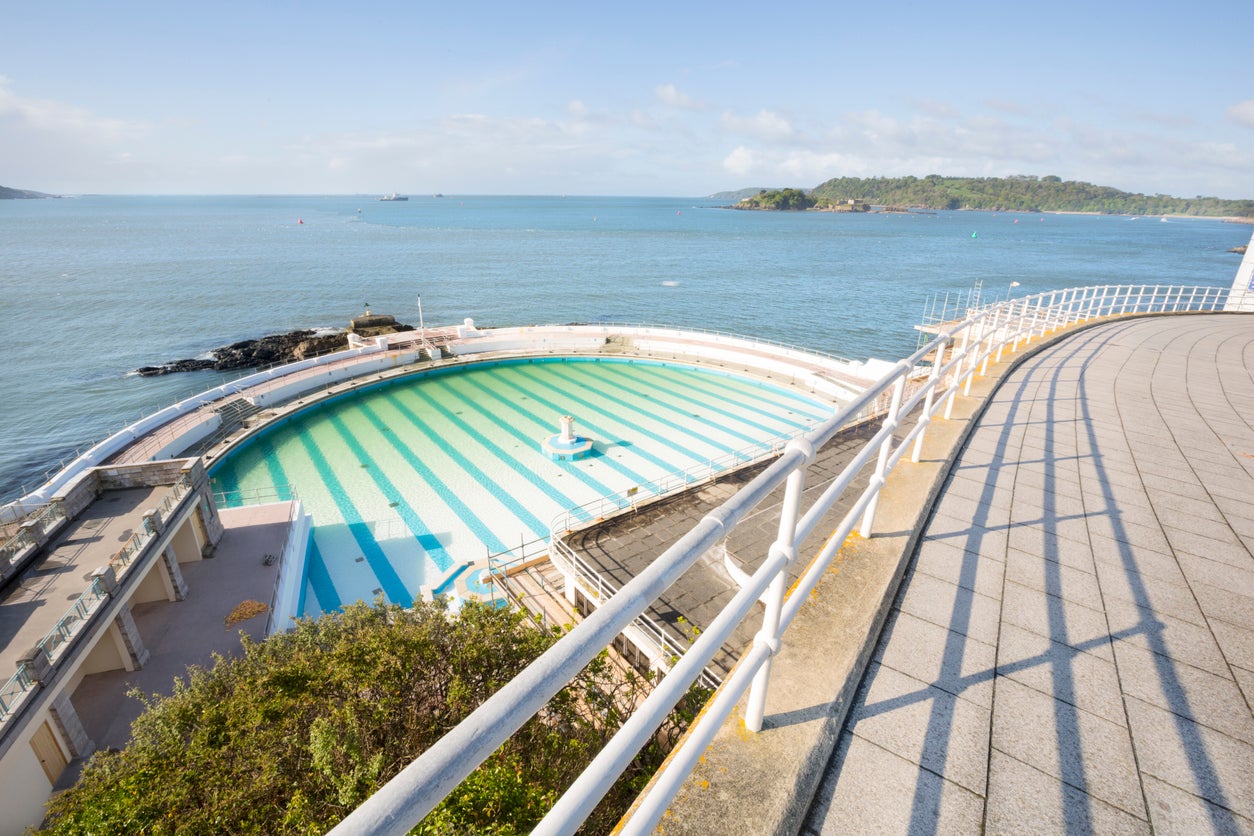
(538, 589)
(234, 413)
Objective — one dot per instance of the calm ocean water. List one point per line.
(94, 287)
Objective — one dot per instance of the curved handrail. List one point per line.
(985, 333)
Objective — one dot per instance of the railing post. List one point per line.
(1048, 313)
(1076, 306)
(881, 465)
(1021, 327)
(784, 544)
(975, 357)
(925, 417)
(993, 331)
(957, 374)
(1003, 325)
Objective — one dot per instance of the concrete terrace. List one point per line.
(1074, 648)
(33, 604)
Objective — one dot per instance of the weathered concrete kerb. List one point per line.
(763, 783)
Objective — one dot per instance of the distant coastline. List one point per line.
(989, 194)
(7, 193)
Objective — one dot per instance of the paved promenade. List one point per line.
(1073, 650)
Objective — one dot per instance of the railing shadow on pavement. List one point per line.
(960, 352)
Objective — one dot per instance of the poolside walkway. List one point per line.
(1073, 647)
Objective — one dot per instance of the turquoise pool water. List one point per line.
(409, 480)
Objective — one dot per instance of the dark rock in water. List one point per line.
(176, 366)
(279, 348)
(1239, 250)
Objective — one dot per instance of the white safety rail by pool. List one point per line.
(176, 427)
(286, 594)
(959, 353)
(200, 418)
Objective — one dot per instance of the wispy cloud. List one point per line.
(669, 94)
(1242, 113)
(741, 162)
(764, 125)
(57, 117)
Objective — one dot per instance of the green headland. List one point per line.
(1023, 193)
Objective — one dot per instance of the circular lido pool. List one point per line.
(410, 480)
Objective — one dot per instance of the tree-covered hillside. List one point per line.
(1020, 193)
(778, 199)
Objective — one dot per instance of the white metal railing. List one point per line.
(962, 351)
(666, 649)
(289, 556)
(604, 507)
(163, 426)
(31, 532)
(655, 329)
(666, 485)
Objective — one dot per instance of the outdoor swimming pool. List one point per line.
(409, 480)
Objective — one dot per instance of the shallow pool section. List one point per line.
(410, 480)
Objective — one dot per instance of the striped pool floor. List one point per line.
(409, 480)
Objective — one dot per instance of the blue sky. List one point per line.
(641, 98)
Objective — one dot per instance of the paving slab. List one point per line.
(1119, 701)
(1116, 668)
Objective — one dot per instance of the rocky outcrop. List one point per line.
(266, 351)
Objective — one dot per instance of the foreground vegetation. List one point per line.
(303, 727)
(1001, 194)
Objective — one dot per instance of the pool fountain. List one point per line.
(566, 446)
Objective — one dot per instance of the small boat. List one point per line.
(394, 196)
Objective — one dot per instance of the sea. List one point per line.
(94, 287)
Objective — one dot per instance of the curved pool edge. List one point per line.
(198, 425)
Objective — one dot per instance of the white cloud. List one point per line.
(57, 117)
(670, 144)
(740, 162)
(643, 120)
(764, 125)
(52, 146)
(670, 95)
(1242, 113)
(930, 107)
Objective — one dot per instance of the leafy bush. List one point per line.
(304, 726)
